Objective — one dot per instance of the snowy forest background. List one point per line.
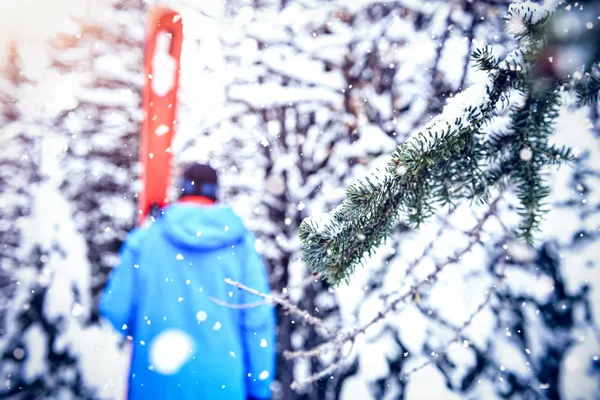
(291, 100)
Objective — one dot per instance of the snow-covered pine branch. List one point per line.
(451, 158)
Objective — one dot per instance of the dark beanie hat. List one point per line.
(200, 180)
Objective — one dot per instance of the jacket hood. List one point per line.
(204, 228)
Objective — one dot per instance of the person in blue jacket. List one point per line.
(167, 294)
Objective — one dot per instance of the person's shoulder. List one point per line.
(138, 235)
(249, 240)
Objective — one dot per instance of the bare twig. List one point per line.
(305, 315)
(341, 362)
(315, 351)
(321, 374)
(237, 306)
(441, 46)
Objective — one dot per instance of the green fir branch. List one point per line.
(587, 88)
(451, 159)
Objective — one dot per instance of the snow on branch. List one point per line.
(450, 159)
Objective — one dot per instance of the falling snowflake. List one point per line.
(161, 130)
(201, 316)
(263, 375)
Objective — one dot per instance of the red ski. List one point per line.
(162, 52)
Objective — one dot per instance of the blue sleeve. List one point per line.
(118, 303)
(258, 327)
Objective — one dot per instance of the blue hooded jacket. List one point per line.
(165, 294)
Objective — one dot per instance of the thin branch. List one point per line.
(315, 351)
(441, 46)
(305, 315)
(237, 306)
(321, 374)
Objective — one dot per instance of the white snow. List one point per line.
(473, 97)
(373, 140)
(356, 388)
(428, 383)
(522, 282)
(373, 359)
(534, 11)
(98, 347)
(35, 343)
(515, 25)
(577, 380)
(520, 251)
(510, 357)
(272, 94)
